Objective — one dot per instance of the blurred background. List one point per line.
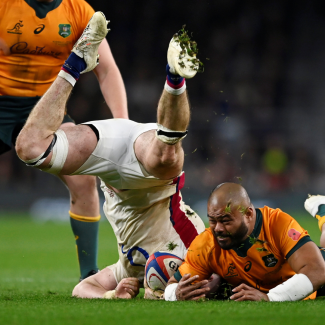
(257, 111)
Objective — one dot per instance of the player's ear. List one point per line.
(249, 213)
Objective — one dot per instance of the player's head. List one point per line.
(231, 214)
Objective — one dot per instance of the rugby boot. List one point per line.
(181, 55)
(315, 205)
(87, 45)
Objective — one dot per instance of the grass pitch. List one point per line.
(38, 269)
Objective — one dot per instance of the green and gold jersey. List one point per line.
(261, 261)
(35, 40)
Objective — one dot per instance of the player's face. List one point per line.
(229, 229)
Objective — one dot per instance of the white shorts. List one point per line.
(122, 271)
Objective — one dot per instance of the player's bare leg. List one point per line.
(40, 135)
(315, 205)
(161, 153)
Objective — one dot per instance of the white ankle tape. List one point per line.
(67, 77)
(169, 136)
(173, 91)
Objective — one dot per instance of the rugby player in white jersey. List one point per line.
(140, 165)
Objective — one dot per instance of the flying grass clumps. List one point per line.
(189, 47)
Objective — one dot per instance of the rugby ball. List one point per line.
(160, 267)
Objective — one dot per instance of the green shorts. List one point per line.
(14, 112)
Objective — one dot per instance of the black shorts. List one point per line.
(14, 112)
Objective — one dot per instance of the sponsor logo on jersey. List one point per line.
(39, 29)
(22, 47)
(231, 271)
(16, 28)
(64, 30)
(294, 234)
(269, 260)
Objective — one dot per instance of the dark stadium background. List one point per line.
(257, 111)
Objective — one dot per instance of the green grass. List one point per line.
(38, 269)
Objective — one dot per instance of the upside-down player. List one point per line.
(263, 253)
(140, 165)
(36, 36)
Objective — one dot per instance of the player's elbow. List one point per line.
(76, 292)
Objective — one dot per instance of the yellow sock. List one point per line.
(321, 221)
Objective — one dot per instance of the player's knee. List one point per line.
(26, 147)
(169, 157)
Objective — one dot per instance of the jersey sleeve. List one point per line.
(197, 259)
(288, 234)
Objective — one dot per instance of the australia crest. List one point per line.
(64, 30)
(270, 260)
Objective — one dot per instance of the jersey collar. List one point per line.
(43, 8)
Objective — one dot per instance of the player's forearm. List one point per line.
(88, 290)
(314, 274)
(113, 90)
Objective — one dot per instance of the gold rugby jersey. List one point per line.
(35, 40)
(260, 262)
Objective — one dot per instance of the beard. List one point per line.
(233, 239)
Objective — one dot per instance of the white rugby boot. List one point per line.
(312, 204)
(87, 45)
(181, 55)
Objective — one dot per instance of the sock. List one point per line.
(85, 230)
(320, 215)
(175, 84)
(72, 67)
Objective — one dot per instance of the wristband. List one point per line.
(170, 292)
(109, 294)
(296, 288)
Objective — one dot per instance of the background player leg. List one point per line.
(84, 219)
(315, 205)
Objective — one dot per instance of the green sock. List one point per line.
(321, 210)
(85, 230)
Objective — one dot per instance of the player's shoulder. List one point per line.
(275, 218)
(204, 241)
(77, 5)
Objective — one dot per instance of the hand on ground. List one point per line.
(244, 292)
(128, 288)
(188, 291)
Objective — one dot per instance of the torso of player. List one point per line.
(260, 262)
(34, 49)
